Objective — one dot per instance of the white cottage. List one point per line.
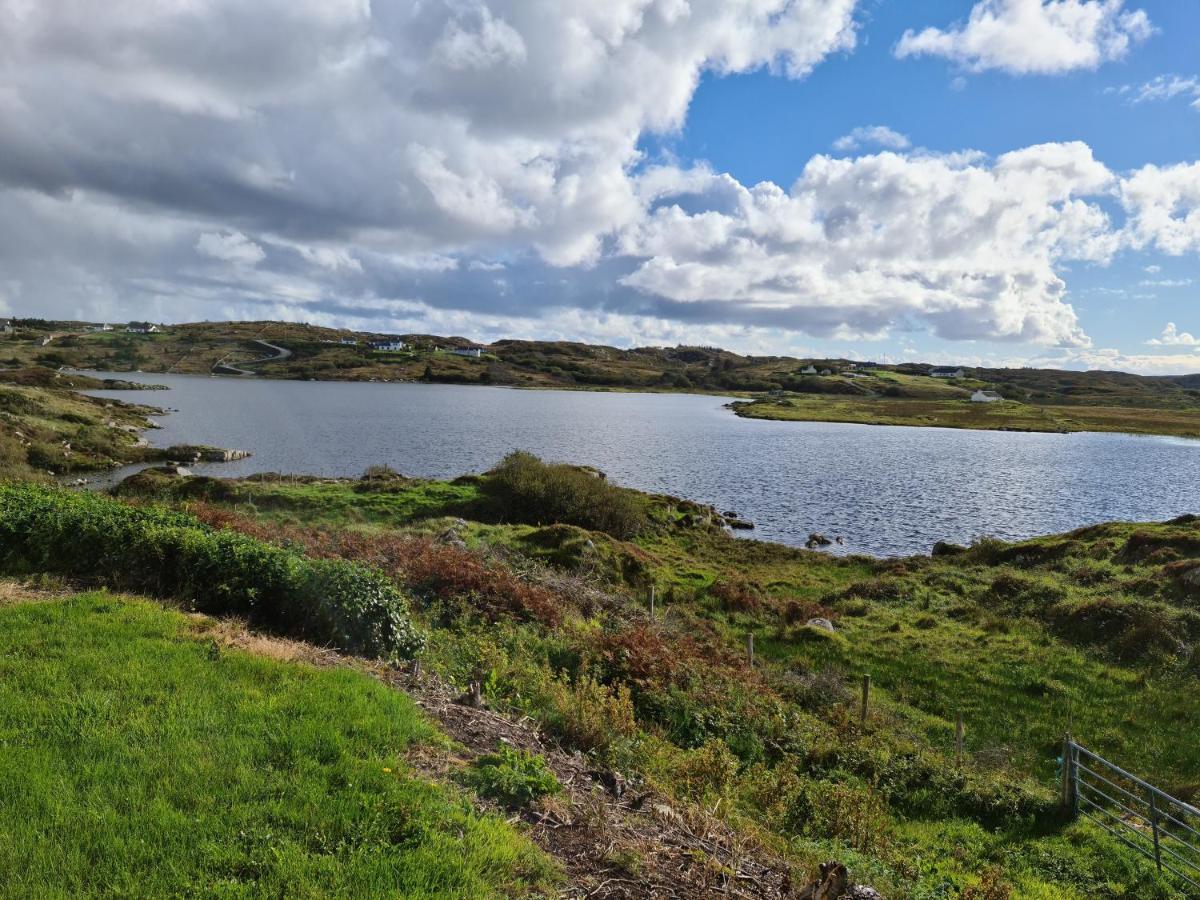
(985, 397)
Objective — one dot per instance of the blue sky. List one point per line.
(761, 127)
(981, 181)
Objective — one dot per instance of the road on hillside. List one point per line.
(277, 353)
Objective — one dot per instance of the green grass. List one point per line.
(1095, 629)
(142, 759)
(961, 413)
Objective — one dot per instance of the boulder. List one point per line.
(816, 539)
(822, 623)
(945, 548)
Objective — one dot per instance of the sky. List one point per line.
(1001, 182)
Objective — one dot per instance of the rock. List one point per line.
(739, 524)
(862, 892)
(945, 548)
(816, 539)
(730, 514)
(614, 782)
(831, 885)
(822, 623)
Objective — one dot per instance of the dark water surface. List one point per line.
(885, 490)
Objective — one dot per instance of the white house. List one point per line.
(985, 397)
(809, 370)
(945, 372)
(474, 352)
(6, 326)
(141, 328)
(389, 346)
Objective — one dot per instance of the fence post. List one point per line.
(750, 648)
(866, 697)
(1066, 772)
(651, 601)
(1154, 828)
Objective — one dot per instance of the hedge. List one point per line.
(169, 554)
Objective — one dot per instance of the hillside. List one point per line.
(533, 583)
(318, 353)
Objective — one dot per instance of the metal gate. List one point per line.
(1150, 821)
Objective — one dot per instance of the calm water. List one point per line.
(885, 490)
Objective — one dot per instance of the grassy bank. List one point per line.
(55, 431)
(1096, 628)
(959, 412)
(141, 758)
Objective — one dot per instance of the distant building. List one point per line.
(827, 371)
(945, 372)
(809, 370)
(474, 352)
(349, 342)
(6, 326)
(104, 327)
(985, 397)
(389, 346)
(141, 328)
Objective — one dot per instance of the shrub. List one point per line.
(525, 489)
(737, 594)
(512, 777)
(169, 554)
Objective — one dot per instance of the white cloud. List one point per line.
(432, 125)
(1152, 270)
(858, 247)
(1171, 337)
(1163, 205)
(231, 246)
(876, 135)
(1165, 282)
(1162, 88)
(1033, 36)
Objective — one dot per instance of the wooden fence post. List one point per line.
(866, 697)
(958, 741)
(651, 601)
(750, 648)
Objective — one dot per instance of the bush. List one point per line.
(525, 489)
(169, 554)
(512, 777)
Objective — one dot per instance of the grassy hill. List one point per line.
(533, 582)
(841, 390)
(144, 758)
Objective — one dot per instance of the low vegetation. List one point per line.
(1095, 629)
(960, 412)
(144, 757)
(512, 777)
(172, 554)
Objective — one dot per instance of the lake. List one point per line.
(884, 490)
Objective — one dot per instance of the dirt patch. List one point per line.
(12, 591)
(613, 841)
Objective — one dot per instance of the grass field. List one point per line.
(143, 759)
(961, 413)
(1093, 630)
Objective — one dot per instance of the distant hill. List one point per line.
(320, 353)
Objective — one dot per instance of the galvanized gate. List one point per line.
(1150, 821)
